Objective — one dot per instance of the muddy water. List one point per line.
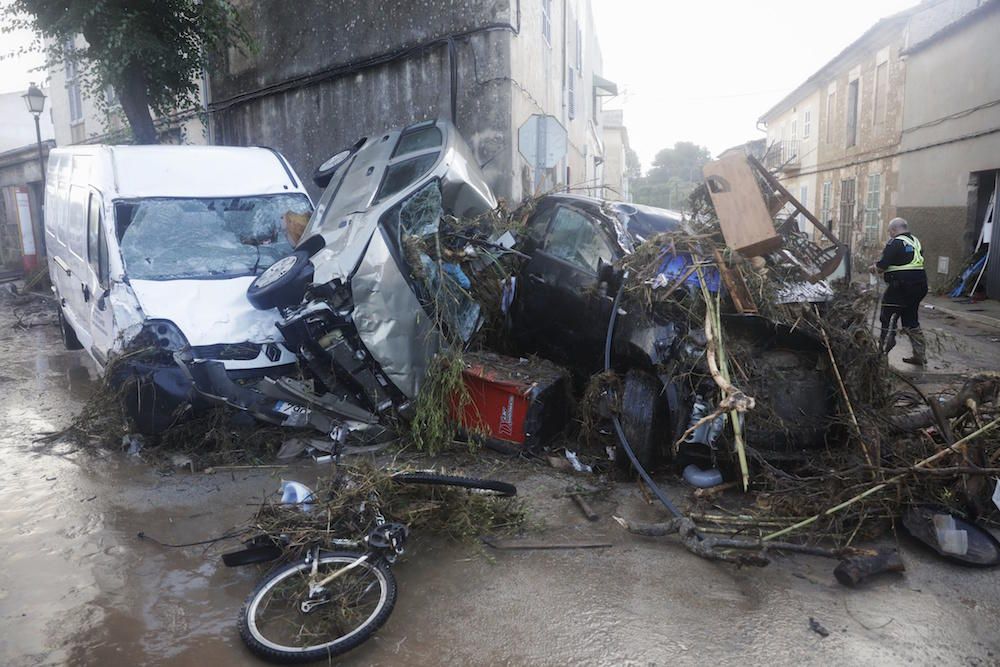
(77, 587)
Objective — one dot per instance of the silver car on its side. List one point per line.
(365, 305)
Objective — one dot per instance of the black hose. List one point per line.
(623, 441)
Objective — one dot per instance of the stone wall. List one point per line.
(331, 72)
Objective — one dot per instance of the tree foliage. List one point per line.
(673, 176)
(150, 52)
(683, 161)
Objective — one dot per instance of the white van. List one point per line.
(152, 248)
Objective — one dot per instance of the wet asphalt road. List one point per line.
(78, 588)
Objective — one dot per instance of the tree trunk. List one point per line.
(135, 104)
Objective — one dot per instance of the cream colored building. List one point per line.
(79, 118)
(793, 148)
(616, 175)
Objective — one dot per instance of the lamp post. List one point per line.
(34, 99)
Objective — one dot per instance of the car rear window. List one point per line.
(403, 174)
(418, 140)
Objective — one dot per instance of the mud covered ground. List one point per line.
(77, 587)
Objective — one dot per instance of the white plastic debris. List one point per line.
(575, 462)
(132, 444)
(950, 540)
(996, 494)
(297, 493)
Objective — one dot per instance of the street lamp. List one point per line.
(34, 99)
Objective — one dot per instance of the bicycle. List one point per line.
(330, 602)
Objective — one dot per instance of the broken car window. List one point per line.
(575, 239)
(441, 285)
(164, 239)
(403, 174)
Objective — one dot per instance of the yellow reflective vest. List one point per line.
(918, 257)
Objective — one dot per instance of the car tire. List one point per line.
(645, 421)
(69, 338)
(281, 284)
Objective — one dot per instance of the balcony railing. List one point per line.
(783, 156)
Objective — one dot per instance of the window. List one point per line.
(418, 139)
(73, 84)
(575, 239)
(881, 92)
(97, 245)
(547, 21)
(846, 209)
(831, 108)
(873, 209)
(579, 51)
(596, 108)
(795, 128)
(93, 233)
(403, 174)
(852, 112)
(806, 124)
(176, 238)
(826, 203)
(74, 231)
(571, 95)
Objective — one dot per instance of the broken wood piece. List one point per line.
(584, 506)
(214, 469)
(527, 545)
(977, 388)
(714, 490)
(738, 291)
(713, 548)
(852, 571)
(743, 216)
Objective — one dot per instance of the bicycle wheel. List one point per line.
(433, 479)
(353, 606)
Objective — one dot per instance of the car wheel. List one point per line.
(645, 422)
(281, 284)
(69, 339)
(800, 397)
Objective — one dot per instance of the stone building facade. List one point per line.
(859, 99)
(330, 72)
(950, 147)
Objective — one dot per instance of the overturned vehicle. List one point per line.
(363, 303)
(406, 257)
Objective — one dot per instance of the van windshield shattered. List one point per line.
(169, 239)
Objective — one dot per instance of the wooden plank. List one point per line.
(746, 224)
(780, 189)
(738, 291)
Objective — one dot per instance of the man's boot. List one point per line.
(919, 344)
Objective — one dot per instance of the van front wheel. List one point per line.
(68, 335)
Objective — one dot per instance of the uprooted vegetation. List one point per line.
(347, 504)
(885, 446)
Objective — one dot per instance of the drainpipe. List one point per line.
(453, 79)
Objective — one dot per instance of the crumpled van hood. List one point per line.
(208, 312)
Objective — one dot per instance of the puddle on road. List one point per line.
(78, 588)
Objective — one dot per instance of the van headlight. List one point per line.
(159, 336)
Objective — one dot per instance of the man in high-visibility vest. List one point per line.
(902, 265)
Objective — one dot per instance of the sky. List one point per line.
(706, 70)
(15, 73)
